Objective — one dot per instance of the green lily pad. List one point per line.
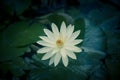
(8, 53)
(80, 25)
(23, 33)
(74, 12)
(58, 18)
(17, 37)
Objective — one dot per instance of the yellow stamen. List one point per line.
(59, 43)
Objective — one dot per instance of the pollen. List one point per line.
(59, 43)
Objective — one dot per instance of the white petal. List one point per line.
(44, 50)
(63, 29)
(71, 54)
(55, 51)
(70, 30)
(47, 55)
(64, 57)
(74, 42)
(51, 60)
(57, 59)
(73, 48)
(55, 30)
(49, 34)
(43, 43)
(74, 35)
(44, 38)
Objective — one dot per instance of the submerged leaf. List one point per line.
(16, 66)
(112, 30)
(94, 38)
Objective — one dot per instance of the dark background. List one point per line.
(101, 37)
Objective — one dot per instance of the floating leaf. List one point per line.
(80, 25)
(57, 18)
(23, 33)
(74, 12)
(16, 38)
(8, 52)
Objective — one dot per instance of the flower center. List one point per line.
(59, 43)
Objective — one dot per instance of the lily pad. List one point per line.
(8, 52)
(17, 37)
(80, 25)
(23, 33)
(58, 18)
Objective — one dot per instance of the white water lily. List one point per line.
(59, 45)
